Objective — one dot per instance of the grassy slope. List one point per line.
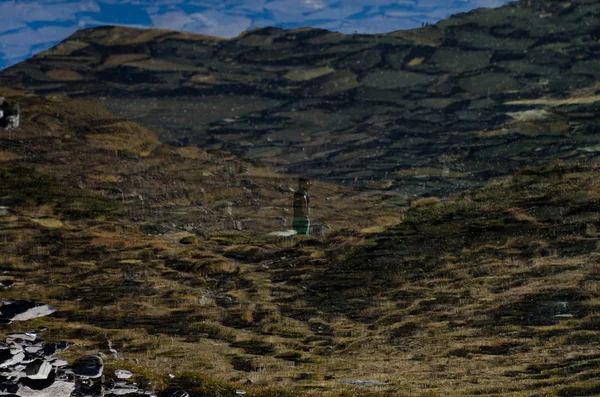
(489, 292)
(79, 236)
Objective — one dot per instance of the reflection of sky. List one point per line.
(28, 26)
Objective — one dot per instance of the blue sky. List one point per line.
(28, 27)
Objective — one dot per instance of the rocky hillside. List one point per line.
(488, 292)
(138, 245)
(429, 111)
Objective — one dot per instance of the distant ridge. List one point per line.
(427, 111)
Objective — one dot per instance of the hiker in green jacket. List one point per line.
(301, 222)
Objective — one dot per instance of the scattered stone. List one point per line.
(123, 374)
(88, 367)
(21, 337)
(25, 310)
(123, 388)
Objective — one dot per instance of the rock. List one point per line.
(34, 348)
(123, 388)
(50, 349)
(8, 388)
(25, 310)
(173, 391)
(39, 384)
(10, 116)
(22, 337)
(59, 363)
(57, 389)
(7, 359)
(88, 388)
(88, 367)
(123, 374)
(38, 369)
(3, 210)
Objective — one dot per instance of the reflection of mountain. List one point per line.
(434, 109)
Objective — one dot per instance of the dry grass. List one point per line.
(459, 297)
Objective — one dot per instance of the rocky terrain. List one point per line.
(427, 111)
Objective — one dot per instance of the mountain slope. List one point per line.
(430, 110)
(138, 243)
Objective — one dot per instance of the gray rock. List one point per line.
(25, 310)
(123, 374)
(122, 388)
(8, 360)
(38, 369)
(50, 349)
(57, 389)
(21, 337)
(3, 212)
(59, 363)
(88, 388)
(88, 367)
(10, 116)
(34, 348)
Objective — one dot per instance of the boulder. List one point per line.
(57, 389)
(123, 374)
(88, 367)
(50, 349)
(10, 115)
(24, 310)
(38, 369)
(123, 388)
(7, 359)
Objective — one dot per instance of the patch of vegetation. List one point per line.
(26, 187)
